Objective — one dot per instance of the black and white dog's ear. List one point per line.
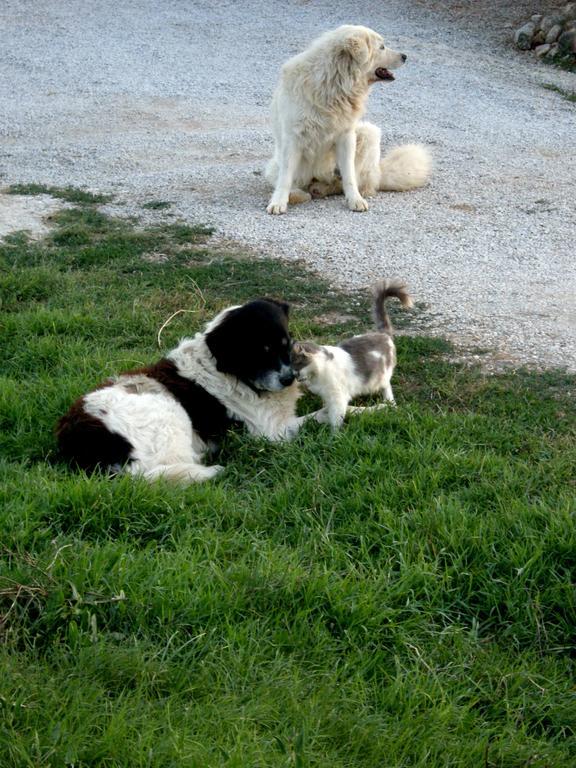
(284, 306)
(226, 343)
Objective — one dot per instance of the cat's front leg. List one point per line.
(336, 411)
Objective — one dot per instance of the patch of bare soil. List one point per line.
(26, 212)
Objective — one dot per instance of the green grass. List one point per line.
(564, 61)
(400, 594)
(70, 194)
(568, 95)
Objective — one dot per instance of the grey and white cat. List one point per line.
(361, 365)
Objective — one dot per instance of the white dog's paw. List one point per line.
(367, 191)
(358, 204)
(320, 189)
(277, 208)
(298, 197)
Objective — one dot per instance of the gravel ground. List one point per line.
(170, 101)
(493, 18)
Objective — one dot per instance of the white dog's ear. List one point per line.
(358, 47)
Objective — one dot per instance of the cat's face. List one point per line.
(303, 357)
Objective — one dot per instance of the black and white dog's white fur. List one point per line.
(159, 421)
(361, 365)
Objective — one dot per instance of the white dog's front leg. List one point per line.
(289, 160)
(345, 155)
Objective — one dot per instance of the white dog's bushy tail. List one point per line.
(382, 291)
(405, 167)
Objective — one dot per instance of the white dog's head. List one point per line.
(365, 50)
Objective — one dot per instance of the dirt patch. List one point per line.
(26, 212)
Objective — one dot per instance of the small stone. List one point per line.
(538, 39)
(542, 50)
(553, 51)
(550, 21)
(569, 11)
(537, 18)
(567, 41)
(553, 34)
(523, 36)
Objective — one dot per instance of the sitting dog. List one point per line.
(361, 365)
(159, 421)
(321, 146)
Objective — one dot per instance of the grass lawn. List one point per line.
(400, 594)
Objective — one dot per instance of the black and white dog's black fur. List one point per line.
(159, 421)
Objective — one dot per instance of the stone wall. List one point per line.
(552, 36)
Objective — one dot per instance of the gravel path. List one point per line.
(169, 100)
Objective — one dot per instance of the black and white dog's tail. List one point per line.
(383, 291)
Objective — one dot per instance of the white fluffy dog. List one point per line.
(321, 145)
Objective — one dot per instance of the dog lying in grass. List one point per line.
(160, 421)
(361, 365)
(321, 146)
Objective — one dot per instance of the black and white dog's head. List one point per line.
(252, 343)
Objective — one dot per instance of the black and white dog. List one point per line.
(159, 421)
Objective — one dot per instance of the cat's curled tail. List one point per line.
(382, 291)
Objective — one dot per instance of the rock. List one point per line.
(553, 34)
(553, 51)
(537, 18)
(567, 41)
(550, 21)
(523, 36)
(538, 39)
(542, 50)
(569, 11)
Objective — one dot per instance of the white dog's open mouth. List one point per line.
(383, 74)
